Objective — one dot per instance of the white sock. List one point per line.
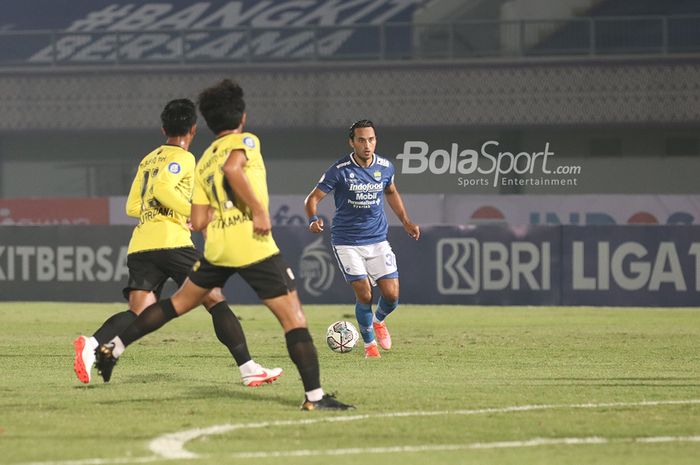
(314, 395)
(118, 347)
(248, 368)
(374, 319)
(373, 343)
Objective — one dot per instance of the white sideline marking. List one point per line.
(171, 446)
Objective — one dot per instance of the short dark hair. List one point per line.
(222, 106)
(178, 117)
(363, 123)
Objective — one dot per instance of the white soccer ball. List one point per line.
(342, 336)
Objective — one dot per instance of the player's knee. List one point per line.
(391, 296)
(296, 313)
(214, 297)
(139, 300)
(364, 297)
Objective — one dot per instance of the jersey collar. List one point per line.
(352, 159)
(174, 145)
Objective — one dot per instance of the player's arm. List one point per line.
(200, 217)
(237, 179)
(393, 198)
(311, 208)
(134, 200)
(165, 186)
(202, 211)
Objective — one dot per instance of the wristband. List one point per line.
(312, 219)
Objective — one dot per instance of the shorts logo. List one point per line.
(196, 265)
(316, 268)
(174, 167)
(377, 175)
(458, 270)
(290, 273)
(249, 141)
(352, 175)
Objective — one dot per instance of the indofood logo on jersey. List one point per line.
(317, 268)
(368, 187)
(366, 194)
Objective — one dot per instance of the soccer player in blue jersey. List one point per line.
(360, 182)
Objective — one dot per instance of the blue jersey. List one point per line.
(359, 200)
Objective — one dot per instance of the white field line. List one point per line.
(115, 461)
(535, 442)
(171, 446)
(423, 448)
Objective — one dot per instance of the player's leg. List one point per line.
(273, 282)
(185, 299)
(150, 270)
(226, 326)
(381, 266)
(230, 333)
(352, 264)
(300, 346)
(144, 278)
(388, 301)
(363, 314)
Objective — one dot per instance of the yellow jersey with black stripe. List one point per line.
(160, 198)
(230, 240)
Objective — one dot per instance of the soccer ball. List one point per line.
(342, 336)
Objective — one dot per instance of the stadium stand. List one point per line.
(587, 107)
(628, 27)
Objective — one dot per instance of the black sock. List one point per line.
(114, 325)
(148, 321)
(303, 353)
(229, 331)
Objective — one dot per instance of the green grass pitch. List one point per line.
(462, 385)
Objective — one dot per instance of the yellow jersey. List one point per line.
(160, 198)
(230, 240)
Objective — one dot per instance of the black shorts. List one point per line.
(269, 278)
(149, 270)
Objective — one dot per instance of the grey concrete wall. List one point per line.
(486, 93)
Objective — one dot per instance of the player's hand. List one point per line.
(261, 223)
(316, 226)
(189, 225)
(412, 229)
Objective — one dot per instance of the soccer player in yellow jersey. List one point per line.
(161, 247)
(230, 181)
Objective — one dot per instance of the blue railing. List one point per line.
(595, 36)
